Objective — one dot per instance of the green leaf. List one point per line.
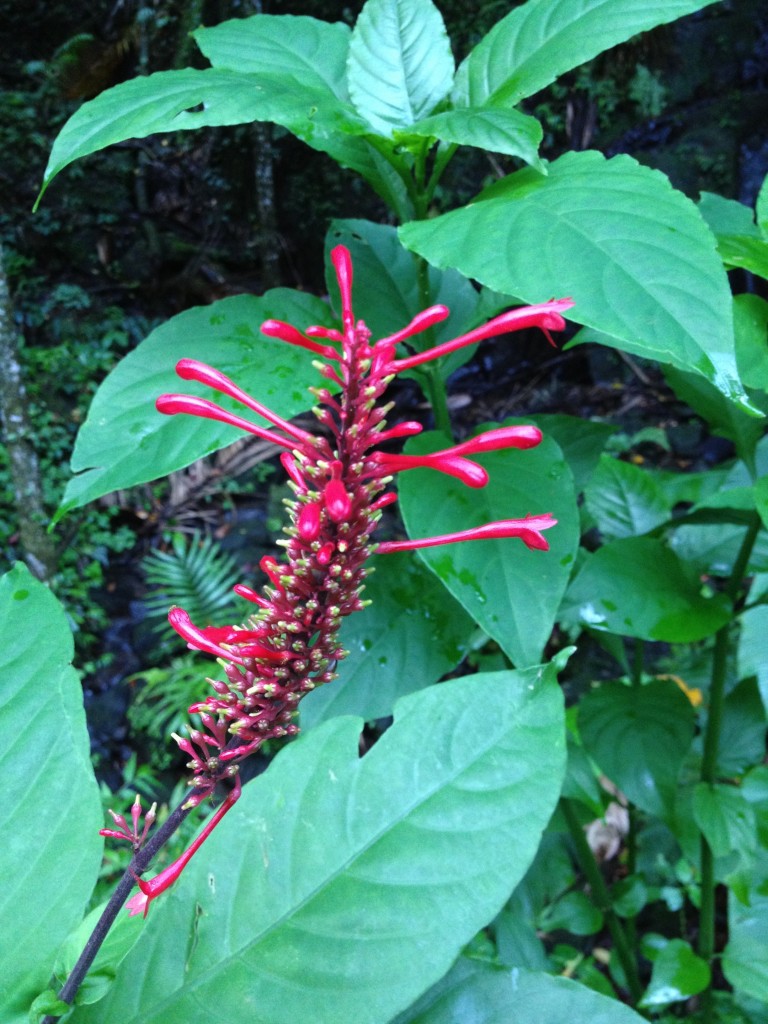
(385, 289)
(724, 416)
(125, 441)
(513, 593)
(639, 736)
(481, 993)
(624, 500)
(542, 39)
(575, 913)
(411, 634)
(725, 818)
(632, 251)
(750, 323)
(307, 50)
(745, 958)
(170, 101)
(761, 207)
(500, 131)
(751, 649)
(400, 62)
(581, 441)
(339, 888)
(51, 811)
(636, 586)
(677, 974)
(742, 733)
(739, 240)
(120, 938)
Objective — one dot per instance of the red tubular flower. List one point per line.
(289, 645)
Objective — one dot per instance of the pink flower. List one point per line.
(340, 479)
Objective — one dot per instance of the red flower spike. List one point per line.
(528, 530)
(289, 645)
(151, 889)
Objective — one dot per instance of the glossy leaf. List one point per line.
(636, 586)
(739, 240)
(624, 500)
(513, 593)
(312, 52)
(357, 878)
(639, 736)
(500, 131)
(51, 812)
(411, 634)
(677, 974)
(477, 992)
(400, 62)
(125, 441)
(540, 40)
(170, 101)
(631, 251)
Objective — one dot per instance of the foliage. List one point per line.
(195, 574)
(443, 837)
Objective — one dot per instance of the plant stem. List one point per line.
(139, 864)
(706, 944)
(602, 899)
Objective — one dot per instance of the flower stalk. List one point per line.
(340, 478)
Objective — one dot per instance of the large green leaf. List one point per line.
(400, 62)
(540, 40)
(411, 634)
(312, 52)
(636, 586)
(639, 736)
(512, 592)
(339, 888)
(624, 500)
(500, 131)
(476, 992)
(125, 441)
(633, 252)
(171, 101)
(51, 812)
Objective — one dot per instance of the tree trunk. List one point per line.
(38, 546)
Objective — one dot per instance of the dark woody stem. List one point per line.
(138, 865)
